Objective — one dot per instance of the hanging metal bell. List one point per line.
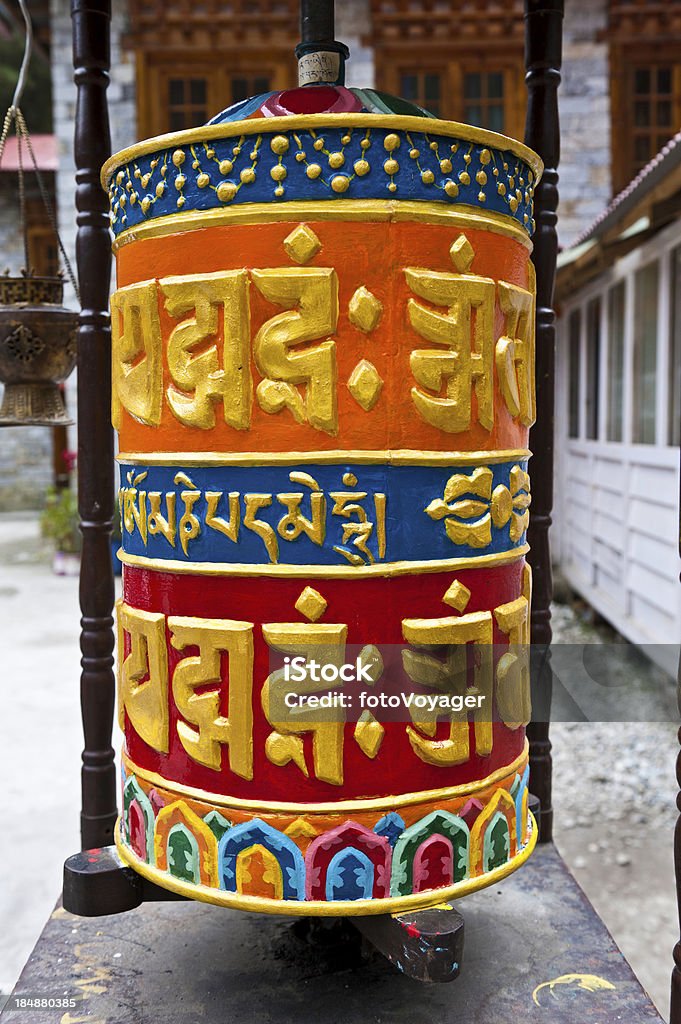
(37, 350)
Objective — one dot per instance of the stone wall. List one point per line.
(352, 22)
(25, 467)
(121, 99)
(11, 244)
(584, 102)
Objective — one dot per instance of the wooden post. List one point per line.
(543, 38)
(316, 20)
(675, 1011)
(91, 21)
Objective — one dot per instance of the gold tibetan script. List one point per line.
(209, 347)
(143, 674)
(326, 644)
(453, 634)
(311, 298)
(463, 362)
(204, 729)
(137, 366)
(200, 378)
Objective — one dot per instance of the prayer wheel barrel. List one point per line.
(323, 383)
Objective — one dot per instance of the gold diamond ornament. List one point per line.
(457, 596)
(311, 604)
(302, 244)
(369, 734)
(365, 310)
(365, 384)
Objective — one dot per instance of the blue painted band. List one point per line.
(326, 514)
(352, 163)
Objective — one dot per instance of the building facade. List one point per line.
(175, 66)
(618, 412)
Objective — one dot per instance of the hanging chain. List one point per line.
(9, 117)
(15, 115)
(23, 130)
(22, 195)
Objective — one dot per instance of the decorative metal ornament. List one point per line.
(37, 350)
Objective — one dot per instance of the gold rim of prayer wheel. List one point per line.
(375, 210)
(255, 125)
(334, 908)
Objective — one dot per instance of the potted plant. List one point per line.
(59, 523)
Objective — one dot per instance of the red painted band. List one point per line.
(373, 609)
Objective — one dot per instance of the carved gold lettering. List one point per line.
(294, 523)
(137, 369)
(157, 523)
(200, 378)
(466, 334)
(452, 632)
(513, 668)
(515, 352)
(311, 297)
(359, 528)
(228, 527)
(133, 505)
(143, 675)
(190, 527)
(253, 503)
(325, 643)
(205, 729)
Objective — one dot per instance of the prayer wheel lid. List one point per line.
(320, 142)
(319, 99)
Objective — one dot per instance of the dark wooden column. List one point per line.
(316, 20)
(91, 33)
(675, 1012)
(543, 45)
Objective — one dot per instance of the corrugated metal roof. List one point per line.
(651, 175)
(44, 147)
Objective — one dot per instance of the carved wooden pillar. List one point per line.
(316, 20)
(91, 20)
(543, 38)
(675, 1012)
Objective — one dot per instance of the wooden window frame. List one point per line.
(393, 62)
(154, 70)
(593, 343)
(43, 249)
(624, 59)
(614, 352)
(574, 360)
(657, 250)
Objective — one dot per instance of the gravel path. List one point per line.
(614, 794)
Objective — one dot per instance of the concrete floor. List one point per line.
(40, 742)
(40, 737)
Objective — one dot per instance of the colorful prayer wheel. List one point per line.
(323, 383)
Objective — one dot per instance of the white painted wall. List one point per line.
(616, 523)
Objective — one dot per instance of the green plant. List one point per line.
(116, 534)
(59, 520)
